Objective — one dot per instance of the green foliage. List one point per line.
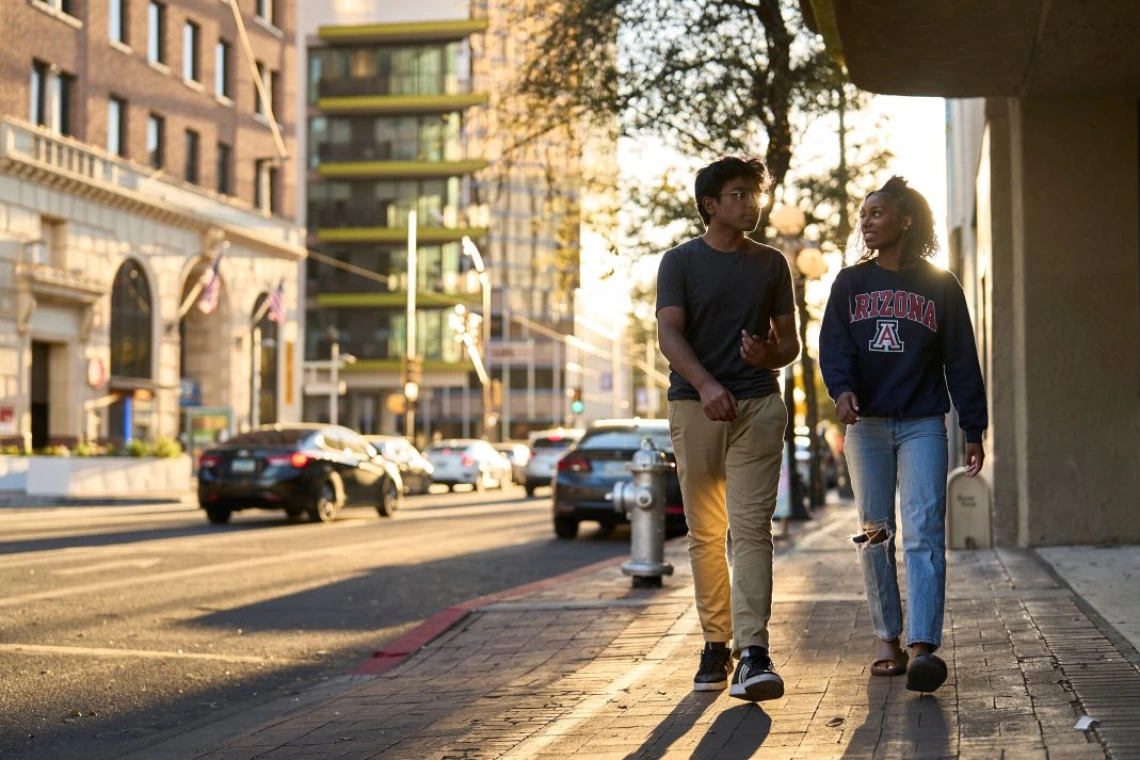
(167, 448)
(137, 448)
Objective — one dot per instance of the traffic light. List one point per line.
(576, 404)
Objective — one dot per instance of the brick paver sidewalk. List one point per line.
(594, 670)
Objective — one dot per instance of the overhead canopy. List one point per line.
(973, 48)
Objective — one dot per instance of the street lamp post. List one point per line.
(411, 389)
(471, 250)
(790, 222)
(336, 359)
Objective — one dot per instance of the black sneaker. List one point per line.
(716, 662)
(755, 679)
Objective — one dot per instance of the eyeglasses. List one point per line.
(755, 197)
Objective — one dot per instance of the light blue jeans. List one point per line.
(883, 453)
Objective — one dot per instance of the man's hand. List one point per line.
(847, 408)
(975, 455)
(756, 350)
(718, 403)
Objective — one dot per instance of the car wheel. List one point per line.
(564, 527)
(326, 506)
(530, 490)
(389, 499)
(218, 515)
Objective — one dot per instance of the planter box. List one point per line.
(14, 473)
(108, 477)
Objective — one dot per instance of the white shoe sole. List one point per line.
(717, 686)
(759, 689)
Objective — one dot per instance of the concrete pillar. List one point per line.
(1067, 325)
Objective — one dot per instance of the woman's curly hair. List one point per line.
(919, 242)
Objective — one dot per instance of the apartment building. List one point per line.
(146, 206)
(408, 110)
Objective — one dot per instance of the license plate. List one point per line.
(611, 469)
(243, 465)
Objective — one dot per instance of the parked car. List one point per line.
(588, 472)
(546, 448)
(415, 470)
(469, 461)
(302, 469)
(519, 454)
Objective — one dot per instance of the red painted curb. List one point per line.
(399, 649)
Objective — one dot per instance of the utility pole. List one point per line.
(411, 389)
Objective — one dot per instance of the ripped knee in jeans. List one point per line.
(874, 532)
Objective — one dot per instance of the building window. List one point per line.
(224, 158)
(156, 31)
(190, 68)
(155, 140)
(131, 323)
(116, 126)
(64, 6)
(265, 181)
(222, 69)
(117, 21)
(50, 91)
(265, 10)
(267, 390)
(192, 143)
(264, 107)
(38, 110)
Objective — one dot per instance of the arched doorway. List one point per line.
(203, 350)
(132, 354)
(266, 363)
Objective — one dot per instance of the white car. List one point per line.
(546, 448)
(468, 461)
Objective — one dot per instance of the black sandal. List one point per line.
(926, 673)
(889, 652)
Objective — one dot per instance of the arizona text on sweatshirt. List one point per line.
(900, 341)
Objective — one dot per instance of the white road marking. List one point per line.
(113, 565)
(147, 654)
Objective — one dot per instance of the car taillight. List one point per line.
(574, 463)
(296, 459)
(467, 460)
(206, 461)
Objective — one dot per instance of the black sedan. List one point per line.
(588, 472)
(302, 469)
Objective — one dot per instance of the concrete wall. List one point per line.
(1066, 319)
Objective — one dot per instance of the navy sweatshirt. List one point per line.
(899, 341)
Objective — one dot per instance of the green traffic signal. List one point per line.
(577, 407)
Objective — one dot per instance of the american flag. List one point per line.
(277, 303)
(208, 300)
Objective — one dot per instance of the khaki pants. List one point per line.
(730, 472)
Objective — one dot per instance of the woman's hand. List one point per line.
(975, 455)
(847, 408)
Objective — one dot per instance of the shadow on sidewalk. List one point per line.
(917, 721)
(684, 716)
(735, 734)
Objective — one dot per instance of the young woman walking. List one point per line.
(896, 346)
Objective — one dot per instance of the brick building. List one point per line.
(135, 150)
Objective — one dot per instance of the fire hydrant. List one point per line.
(643, 501)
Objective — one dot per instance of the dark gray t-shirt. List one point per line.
(722, 294)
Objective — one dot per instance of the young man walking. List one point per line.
(726, 323)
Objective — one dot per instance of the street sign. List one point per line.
(511, 352)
